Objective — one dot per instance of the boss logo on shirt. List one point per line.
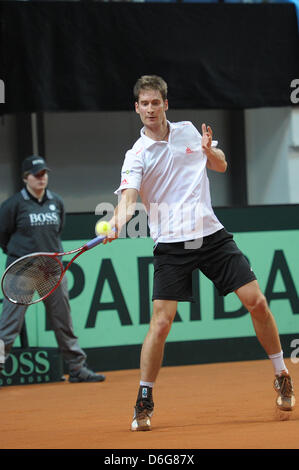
(43, 219)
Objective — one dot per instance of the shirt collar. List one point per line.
(27, 195)
(147, 141)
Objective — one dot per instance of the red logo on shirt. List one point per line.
(188, 150)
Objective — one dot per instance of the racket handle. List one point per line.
(96, 241)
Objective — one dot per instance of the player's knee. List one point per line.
(259, 306)
(162, 327)
(161, 324)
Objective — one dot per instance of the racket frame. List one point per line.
(91, 244)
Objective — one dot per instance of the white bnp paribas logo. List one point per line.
(2, 354)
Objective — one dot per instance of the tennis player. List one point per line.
(31, 221)
(167, 166)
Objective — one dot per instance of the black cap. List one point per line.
(34, 164)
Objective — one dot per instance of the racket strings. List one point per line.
(31, 278)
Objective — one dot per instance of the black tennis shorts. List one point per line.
(218, 258)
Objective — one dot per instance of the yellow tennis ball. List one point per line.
(103, 228)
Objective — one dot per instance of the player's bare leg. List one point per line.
(262, 318)
(150, 361)
(153, 347)
(267, 334)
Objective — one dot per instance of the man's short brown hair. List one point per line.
(150, 82)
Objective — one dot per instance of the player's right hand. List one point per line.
(111, 236)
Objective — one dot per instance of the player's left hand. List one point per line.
(207, 136)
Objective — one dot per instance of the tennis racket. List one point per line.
(34, 277)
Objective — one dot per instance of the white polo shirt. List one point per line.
(172, 181)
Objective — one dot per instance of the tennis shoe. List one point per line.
(142, 418)
(85, 375)
(143, 411)
(283, 385)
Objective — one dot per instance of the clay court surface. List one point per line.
(210, 406)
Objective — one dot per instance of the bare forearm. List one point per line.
(125, 210)
(216, 160)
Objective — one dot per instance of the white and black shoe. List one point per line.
(283, 385)
(143, 410)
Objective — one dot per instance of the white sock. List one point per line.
(278, 363)
(146, 384)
